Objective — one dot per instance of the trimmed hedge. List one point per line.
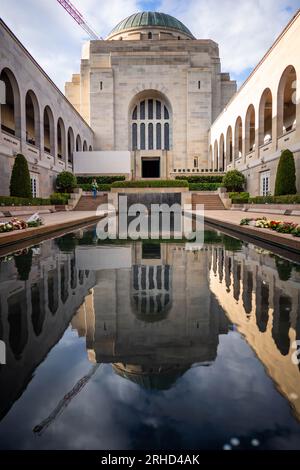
(88, 187)
(100, 179)
(286, 174)
(239, 198)
(287, 199)
(201, 178)
(59, 198)
(234, 180)
(151, 184)
(23, 201)
(66, 181)
(204, 186)
(20, 185)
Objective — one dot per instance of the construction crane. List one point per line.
(77, 16)
(64, 402)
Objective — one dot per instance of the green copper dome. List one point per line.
(148, 19)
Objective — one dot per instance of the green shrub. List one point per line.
(20, 185)
(66, 182)
(234, 180)
(151, 184)
(239, 198)
(21, 201)
(204, 186)
(100, 179)
(23, 263)
(287, 199)
(201, 178)
(286, 174)
(59, 198)
(88, 187)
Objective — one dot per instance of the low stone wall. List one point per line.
(280, 209)
(18, 211)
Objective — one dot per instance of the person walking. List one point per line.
(94, 188)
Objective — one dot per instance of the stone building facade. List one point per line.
(36, 119)
(153, 89)
(263, 117)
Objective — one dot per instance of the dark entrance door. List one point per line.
(151, 167)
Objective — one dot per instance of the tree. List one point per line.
(20, 185)
(234, 181)
(286, 175)
(66, 182)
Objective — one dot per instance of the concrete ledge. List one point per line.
(16, 236)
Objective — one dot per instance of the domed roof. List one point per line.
(148, 19)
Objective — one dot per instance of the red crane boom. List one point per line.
(77, 16)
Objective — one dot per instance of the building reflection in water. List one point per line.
(40, 290)
(153, 332)
(261, 295)
(154, 318)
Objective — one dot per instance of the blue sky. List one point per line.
(244, 29)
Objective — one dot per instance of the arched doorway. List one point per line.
(150, 131)
(286, 111)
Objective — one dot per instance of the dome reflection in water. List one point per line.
(184, 341)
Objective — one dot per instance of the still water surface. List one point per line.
(149, 346)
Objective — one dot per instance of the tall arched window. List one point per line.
(134, 136)
(167, 136)
(265, 117)
(150, 125)
(158, 135)
(143, 136)
(150, 136)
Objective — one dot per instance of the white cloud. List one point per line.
(244, 29)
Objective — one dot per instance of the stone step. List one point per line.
(88, 203)
(211, 202)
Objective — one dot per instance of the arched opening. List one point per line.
(286, 110)
(32, 119)
(150, 35)
(11, 110)
(229, 149)
(70, 145)
(222, 153)
(265, 117)
(85, 147)
(210, 158)
(238, 138)
(150, 122)
(78, 144)
(61, 139)
(17, 322)
(90, 148)
(48, 131)
(250, 129)
(216, 156)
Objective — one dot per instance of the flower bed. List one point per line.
(19, 224)
(279, 226)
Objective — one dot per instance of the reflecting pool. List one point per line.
(148, 345)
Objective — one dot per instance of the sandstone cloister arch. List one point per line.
(61, 139)
(78, 144)
(70, 144)
(222, 153)
(250, 129)
(286, 101)
(229, 146)
(265, 117)
(238, 138)
(32, 116)
(11, 110)
(49, 131)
